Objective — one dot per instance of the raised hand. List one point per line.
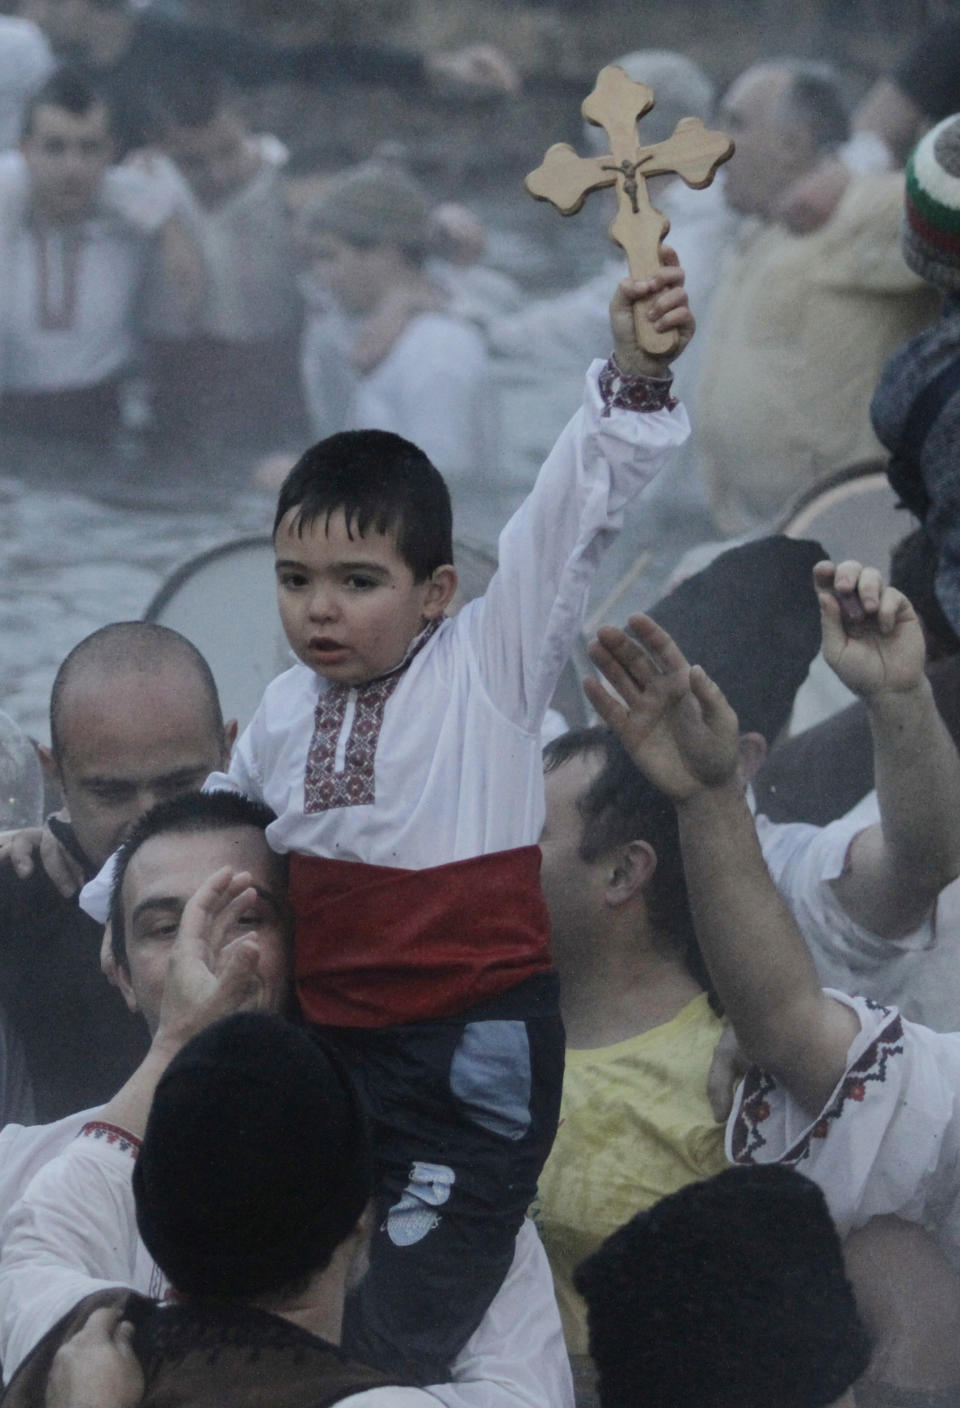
(669, 311)
(210, 976)
(23, 848)
(671, 718)
(872, 638)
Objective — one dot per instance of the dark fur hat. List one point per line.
(752, 620)
(732, 1293)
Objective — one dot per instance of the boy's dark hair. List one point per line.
(731, 1292)
(383, 484)
(190, 814)
(620, 806)
(66, 88)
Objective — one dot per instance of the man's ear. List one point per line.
(230, 731)
(109, 967)
(49, 764)
(630, 868)
(752, 748)
(117, 973)
(440, 591)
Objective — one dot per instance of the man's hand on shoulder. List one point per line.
(668, 311)
(24, 849)
(96, 1367)
(872, 638)
(672, 719)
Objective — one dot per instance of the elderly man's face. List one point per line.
(771, 151)
(160, 879)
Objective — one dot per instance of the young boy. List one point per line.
(402, 757)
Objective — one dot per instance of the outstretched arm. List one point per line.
(874, 642)
(682, 733)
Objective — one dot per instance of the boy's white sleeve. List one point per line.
(73, 1232)
(516, 1358)
(526, 625)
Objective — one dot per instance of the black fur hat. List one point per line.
(752, 620)
(730, 1293)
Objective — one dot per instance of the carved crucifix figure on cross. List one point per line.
(565, 179)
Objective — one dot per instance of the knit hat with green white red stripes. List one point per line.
(931, 227)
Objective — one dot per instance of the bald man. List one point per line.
(134, 719)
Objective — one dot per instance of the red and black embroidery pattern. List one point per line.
(325, 787)
(353, 785)
(634, 393)
(870, 1068)
(113, 1134)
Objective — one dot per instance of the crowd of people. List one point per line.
(409, 1045)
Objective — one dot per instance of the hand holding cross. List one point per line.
(565, 179)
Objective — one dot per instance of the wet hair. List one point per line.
(193, 813)
(383, 484)
(66, 88)
(815, 102)
(127, 648)
(620, 806)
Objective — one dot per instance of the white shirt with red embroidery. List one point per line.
(887, 1140)
(441, 761)
(68, 292)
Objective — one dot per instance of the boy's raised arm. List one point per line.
(551, 547)
(682, 733)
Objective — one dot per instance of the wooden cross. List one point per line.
(565, 179)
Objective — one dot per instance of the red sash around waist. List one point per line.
(375, 945)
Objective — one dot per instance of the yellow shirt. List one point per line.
(635, 1124)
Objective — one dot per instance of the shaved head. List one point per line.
(123, 649)
(134, 720)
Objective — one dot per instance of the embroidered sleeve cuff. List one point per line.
(634, 393)
(112, 1135)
